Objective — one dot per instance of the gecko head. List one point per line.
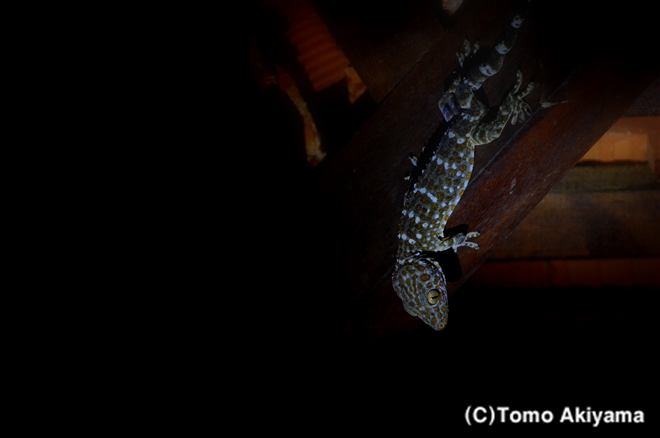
(420, 284)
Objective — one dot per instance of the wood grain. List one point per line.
(647, 104)
(382, 40)
(587, 225)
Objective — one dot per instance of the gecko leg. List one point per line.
(514, 99)
(512, 108)
(459, 240)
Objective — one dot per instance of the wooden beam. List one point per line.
(647, 104)
(587, 225)
(383, 40)
(361, 190)
(595, 211)
(607, 177)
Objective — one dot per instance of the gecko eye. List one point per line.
(433, 297)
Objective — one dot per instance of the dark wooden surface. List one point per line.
(587, 225)
(383, 40)
(359, 193)
(598, 210)
(647, 104)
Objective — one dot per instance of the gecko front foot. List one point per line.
(459, 240)
(471, 235)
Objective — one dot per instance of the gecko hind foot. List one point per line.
(468, 51)
(520, 108)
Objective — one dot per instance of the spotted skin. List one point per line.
(418, 278)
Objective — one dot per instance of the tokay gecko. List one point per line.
(418, 278)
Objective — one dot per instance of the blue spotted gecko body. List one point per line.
(418, 278)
